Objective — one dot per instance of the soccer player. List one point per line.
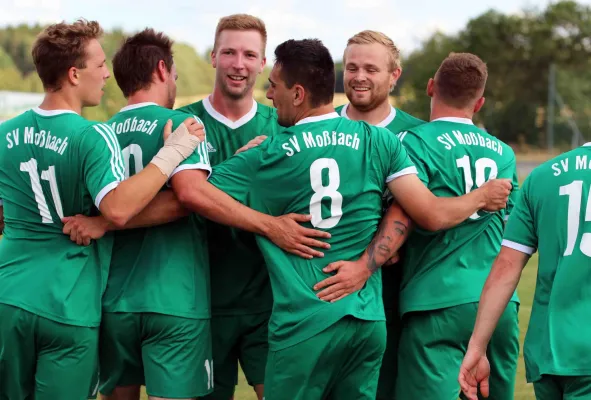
(444, 272)
(552, 216)
(240, 290)
(53, 163)
(336, 170)
(371, 69)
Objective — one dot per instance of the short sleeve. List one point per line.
(102, 161)
(514, 194)
(415, 148)
(236, 175)
(520, 230)
(200, 158)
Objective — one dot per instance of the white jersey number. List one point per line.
(481, 165)
(48, 175)
(574, 191)
(320, 192)
(136, 151)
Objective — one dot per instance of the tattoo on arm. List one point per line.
(386, 242)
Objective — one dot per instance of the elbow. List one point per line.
(118, 218)
(188, 199)
(432, 223)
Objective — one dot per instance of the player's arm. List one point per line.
(352, 275)
(1, 216)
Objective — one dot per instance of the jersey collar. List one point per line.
(318, 118)
(52, 113)
(138, 105)
(221, 118)
(457, 120)
(382, 124)
(588, 144)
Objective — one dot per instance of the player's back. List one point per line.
(336, 170)
(553, 214)
(447, 268)
(54, 164)
(167, 261)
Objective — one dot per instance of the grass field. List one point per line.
(523, 391)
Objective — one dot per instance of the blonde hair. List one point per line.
(371, 37)
(461, 79)
(241, 22)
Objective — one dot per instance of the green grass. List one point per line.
(523, 391)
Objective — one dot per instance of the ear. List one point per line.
(161, 71)
(263, 63)
(430, 87)
(213, 58)
(74, 76)
(299, 95)
(478, 105)
(394, 76)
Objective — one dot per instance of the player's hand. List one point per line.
(350, 277)
(193, 127)
(496, 194)
(83, 229)
(253, 143)
(287, 233)
(474, 372)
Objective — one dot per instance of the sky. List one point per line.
(407, 22)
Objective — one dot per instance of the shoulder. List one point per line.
(266, 112)
(339, 109)
(408, 119)
(196, 108)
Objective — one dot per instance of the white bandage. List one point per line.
(177, 147)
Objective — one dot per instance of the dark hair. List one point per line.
(461, 79)
(308, 63)
(60, 47)
(138, 57)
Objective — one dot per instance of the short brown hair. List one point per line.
(371, 37)
(241, 22)
(460, 79)
(138, 57)
(60, 47)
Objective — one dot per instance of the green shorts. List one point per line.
(340, 363)
(44, 359)
(432, 347)
(237, 339)
(552, 387)
(170, 355)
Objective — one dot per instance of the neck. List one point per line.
(314, 112)
(146, 96)
(233, 109)
(373, 117)
(61, 101)
(440, 110)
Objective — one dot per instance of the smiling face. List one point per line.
(92, 78)
(238, 59)
(368, 77)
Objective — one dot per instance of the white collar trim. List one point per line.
(458, 120)
(221, 118)
(382, 124)
(318, 118)
(52, 113)
(138, 105)
(588, 144)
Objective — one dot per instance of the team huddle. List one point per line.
(356, 253)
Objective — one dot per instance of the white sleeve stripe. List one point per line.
(507, 217)
(185, 167)
(115, 167)
(118, 156)
(104, 191)
(405, 171)
(519, 247)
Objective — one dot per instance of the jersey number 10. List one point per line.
(480, 166)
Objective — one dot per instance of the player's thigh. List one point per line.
(431, 349)
(67, 359)
(254, 347)
(360, 364)
(177, 356)
(17, 353)
(576, 387)
(389, 368)
(120, 355)
(548, 388)
(309, 369)
(503, 353)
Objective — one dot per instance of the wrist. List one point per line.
(264, 225)
(477, 345)
(480, 194)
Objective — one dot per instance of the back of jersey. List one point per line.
(553, 215)
(336, 170)
(448, 268)
(54, 164)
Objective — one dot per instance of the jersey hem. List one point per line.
(151, 310)
(561, 372)
(448, 304)
(50, 316)
(235, 313)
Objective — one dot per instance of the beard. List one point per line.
(235, 94)
(376, 98)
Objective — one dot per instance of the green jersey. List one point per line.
(449, 268)
(161, 269)
(54, 164)
(335, 170)
(553, 215)
(239, 278)
(397, 121)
